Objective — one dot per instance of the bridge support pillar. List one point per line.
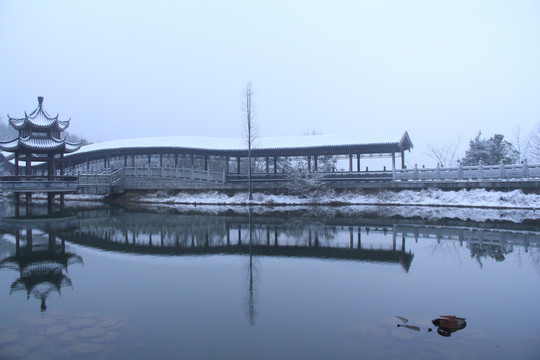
(50, 202)
(28, 203)
(17, 204)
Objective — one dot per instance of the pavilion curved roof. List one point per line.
(39, 119)
(37, 144)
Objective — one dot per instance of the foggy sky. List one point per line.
(442, 70)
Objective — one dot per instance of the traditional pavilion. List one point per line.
(39, 140)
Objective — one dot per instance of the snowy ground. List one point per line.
(474, 205)
(432, 197)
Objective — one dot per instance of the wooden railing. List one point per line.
(26, 178)
(26, 183)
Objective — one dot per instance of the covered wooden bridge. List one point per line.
(183, 162)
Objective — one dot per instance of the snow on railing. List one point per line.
(105, 178)
(178, 173)
(501, 172)
(480, 172)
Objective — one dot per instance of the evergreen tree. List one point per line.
(490, 151)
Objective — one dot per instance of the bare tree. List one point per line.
(533, 145)
(444, 154)
(250, 131)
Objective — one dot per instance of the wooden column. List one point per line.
(175, 160)
(315, 163)
(267, 161)
(275, 164)
(226, 165)
(358, 162)
(393, 161)
(160, 160)
(28, 204)
(206, 162)
(238, 165)
(16, 164)
(402, 159)
(125, 160)
(350, 162)
(309, 163)
(28, 165)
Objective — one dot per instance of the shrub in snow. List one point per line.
(307, 184)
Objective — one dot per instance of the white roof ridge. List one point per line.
(238, 143)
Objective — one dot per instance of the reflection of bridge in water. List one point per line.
(359, 239)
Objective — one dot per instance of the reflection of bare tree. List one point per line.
(251, 297)
(447, 248)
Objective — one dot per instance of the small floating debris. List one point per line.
(447, 324)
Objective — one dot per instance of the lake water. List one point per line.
(214, 283)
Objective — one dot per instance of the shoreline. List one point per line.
(431, 198)
(473, 199)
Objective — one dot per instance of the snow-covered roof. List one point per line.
(38, 119)
(39, 144)
(263, 143)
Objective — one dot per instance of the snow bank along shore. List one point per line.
(476, 198)
(432, 197)
(474, 205)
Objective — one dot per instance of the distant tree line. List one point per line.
(489, 151)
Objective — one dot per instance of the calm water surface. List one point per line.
(116, 283)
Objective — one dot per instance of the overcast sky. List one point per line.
(441, 70)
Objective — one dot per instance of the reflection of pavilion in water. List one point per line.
(41, 261)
